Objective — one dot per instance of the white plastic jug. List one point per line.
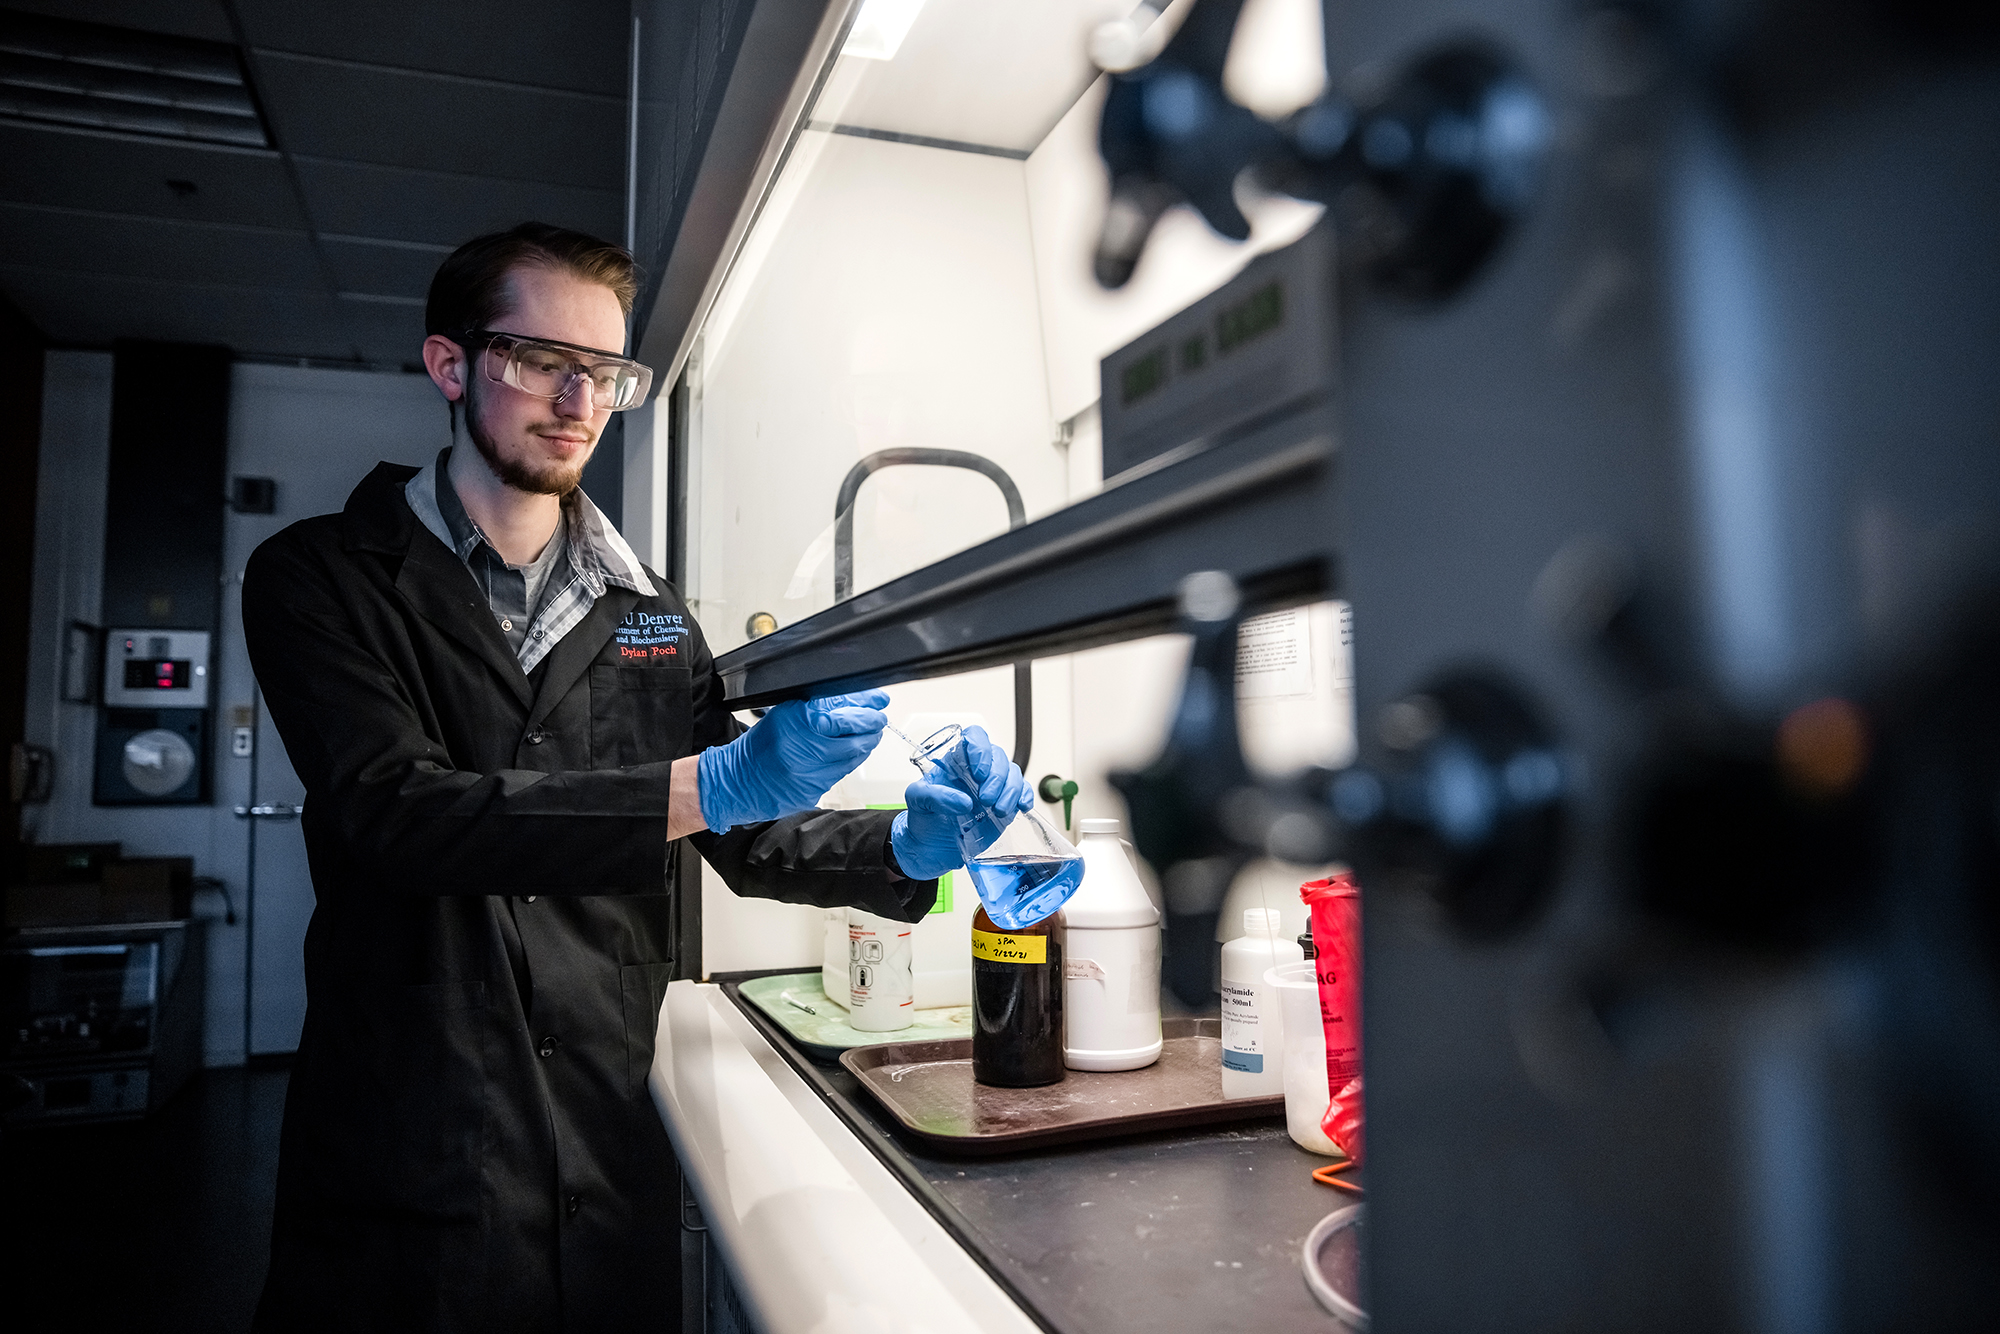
(1306, 1094)
(1111, 960)
(880, 991)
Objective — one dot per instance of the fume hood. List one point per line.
(1661, 498)
(899, 364)
(892, 384)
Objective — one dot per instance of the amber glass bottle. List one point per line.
(1017, 994)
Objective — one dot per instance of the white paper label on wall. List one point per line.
(1274, 656)
(1344, 666)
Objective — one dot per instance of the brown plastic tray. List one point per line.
(928, 1087)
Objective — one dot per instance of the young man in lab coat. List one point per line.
(504, 723)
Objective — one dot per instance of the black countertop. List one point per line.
(1197, 1230)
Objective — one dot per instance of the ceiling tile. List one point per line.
(204, 19)
(382, 269)
(93, 309)
(127, 174)
(388, 335)
(150, 248)
(359, 200)
(324, 109)
(583, 45)
(408, 137)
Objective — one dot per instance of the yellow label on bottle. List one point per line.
(1000, 947)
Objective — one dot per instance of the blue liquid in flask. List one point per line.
(1019, 891)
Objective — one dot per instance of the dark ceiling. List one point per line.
(399, 129)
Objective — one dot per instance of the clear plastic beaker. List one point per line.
(1025, 874)
(1306, 1095)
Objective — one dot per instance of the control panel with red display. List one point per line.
(156, 668)
(158, 673)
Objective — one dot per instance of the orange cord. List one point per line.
(1325, 1176)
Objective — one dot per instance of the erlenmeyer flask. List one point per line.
(1028, 872)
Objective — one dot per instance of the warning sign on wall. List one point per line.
(1274, 656)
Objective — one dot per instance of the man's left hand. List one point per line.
(925, 837)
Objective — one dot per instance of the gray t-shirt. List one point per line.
(514, 592)
(586, 557)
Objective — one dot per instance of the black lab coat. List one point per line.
(468, 1140)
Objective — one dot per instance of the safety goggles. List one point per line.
(549, 369)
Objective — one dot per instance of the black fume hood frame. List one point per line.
(1254, 502)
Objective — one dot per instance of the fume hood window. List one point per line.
(901, 362)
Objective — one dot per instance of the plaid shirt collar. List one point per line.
(598, 556)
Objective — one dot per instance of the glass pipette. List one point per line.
(915, 749)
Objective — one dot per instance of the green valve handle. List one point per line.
(1054, 787)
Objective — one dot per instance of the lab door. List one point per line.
(280, 897)
(316, 433)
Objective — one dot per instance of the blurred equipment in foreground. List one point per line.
(1667, 500)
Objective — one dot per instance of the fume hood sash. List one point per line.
(1255, 503)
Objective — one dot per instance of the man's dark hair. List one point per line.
(469, 290)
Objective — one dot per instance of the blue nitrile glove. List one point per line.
(787, 761)
(925, 837)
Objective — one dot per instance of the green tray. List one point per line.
(823, 1036)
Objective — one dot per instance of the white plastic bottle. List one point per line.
(1111, 960)
(880, 984)
(1253, 1033)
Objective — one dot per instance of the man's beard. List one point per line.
(537, 479)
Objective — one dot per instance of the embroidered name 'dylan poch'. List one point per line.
(645, 635)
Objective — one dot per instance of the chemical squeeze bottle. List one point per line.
(1111, 960)
(1253, 1034)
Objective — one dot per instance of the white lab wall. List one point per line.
(284, 422)
(1123, 698)
(974, 72)
(897, 295)
(890, 300)
(1293, 711)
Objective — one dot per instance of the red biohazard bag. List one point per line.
(1336, 931)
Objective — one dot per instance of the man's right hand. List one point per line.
(787, 761)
